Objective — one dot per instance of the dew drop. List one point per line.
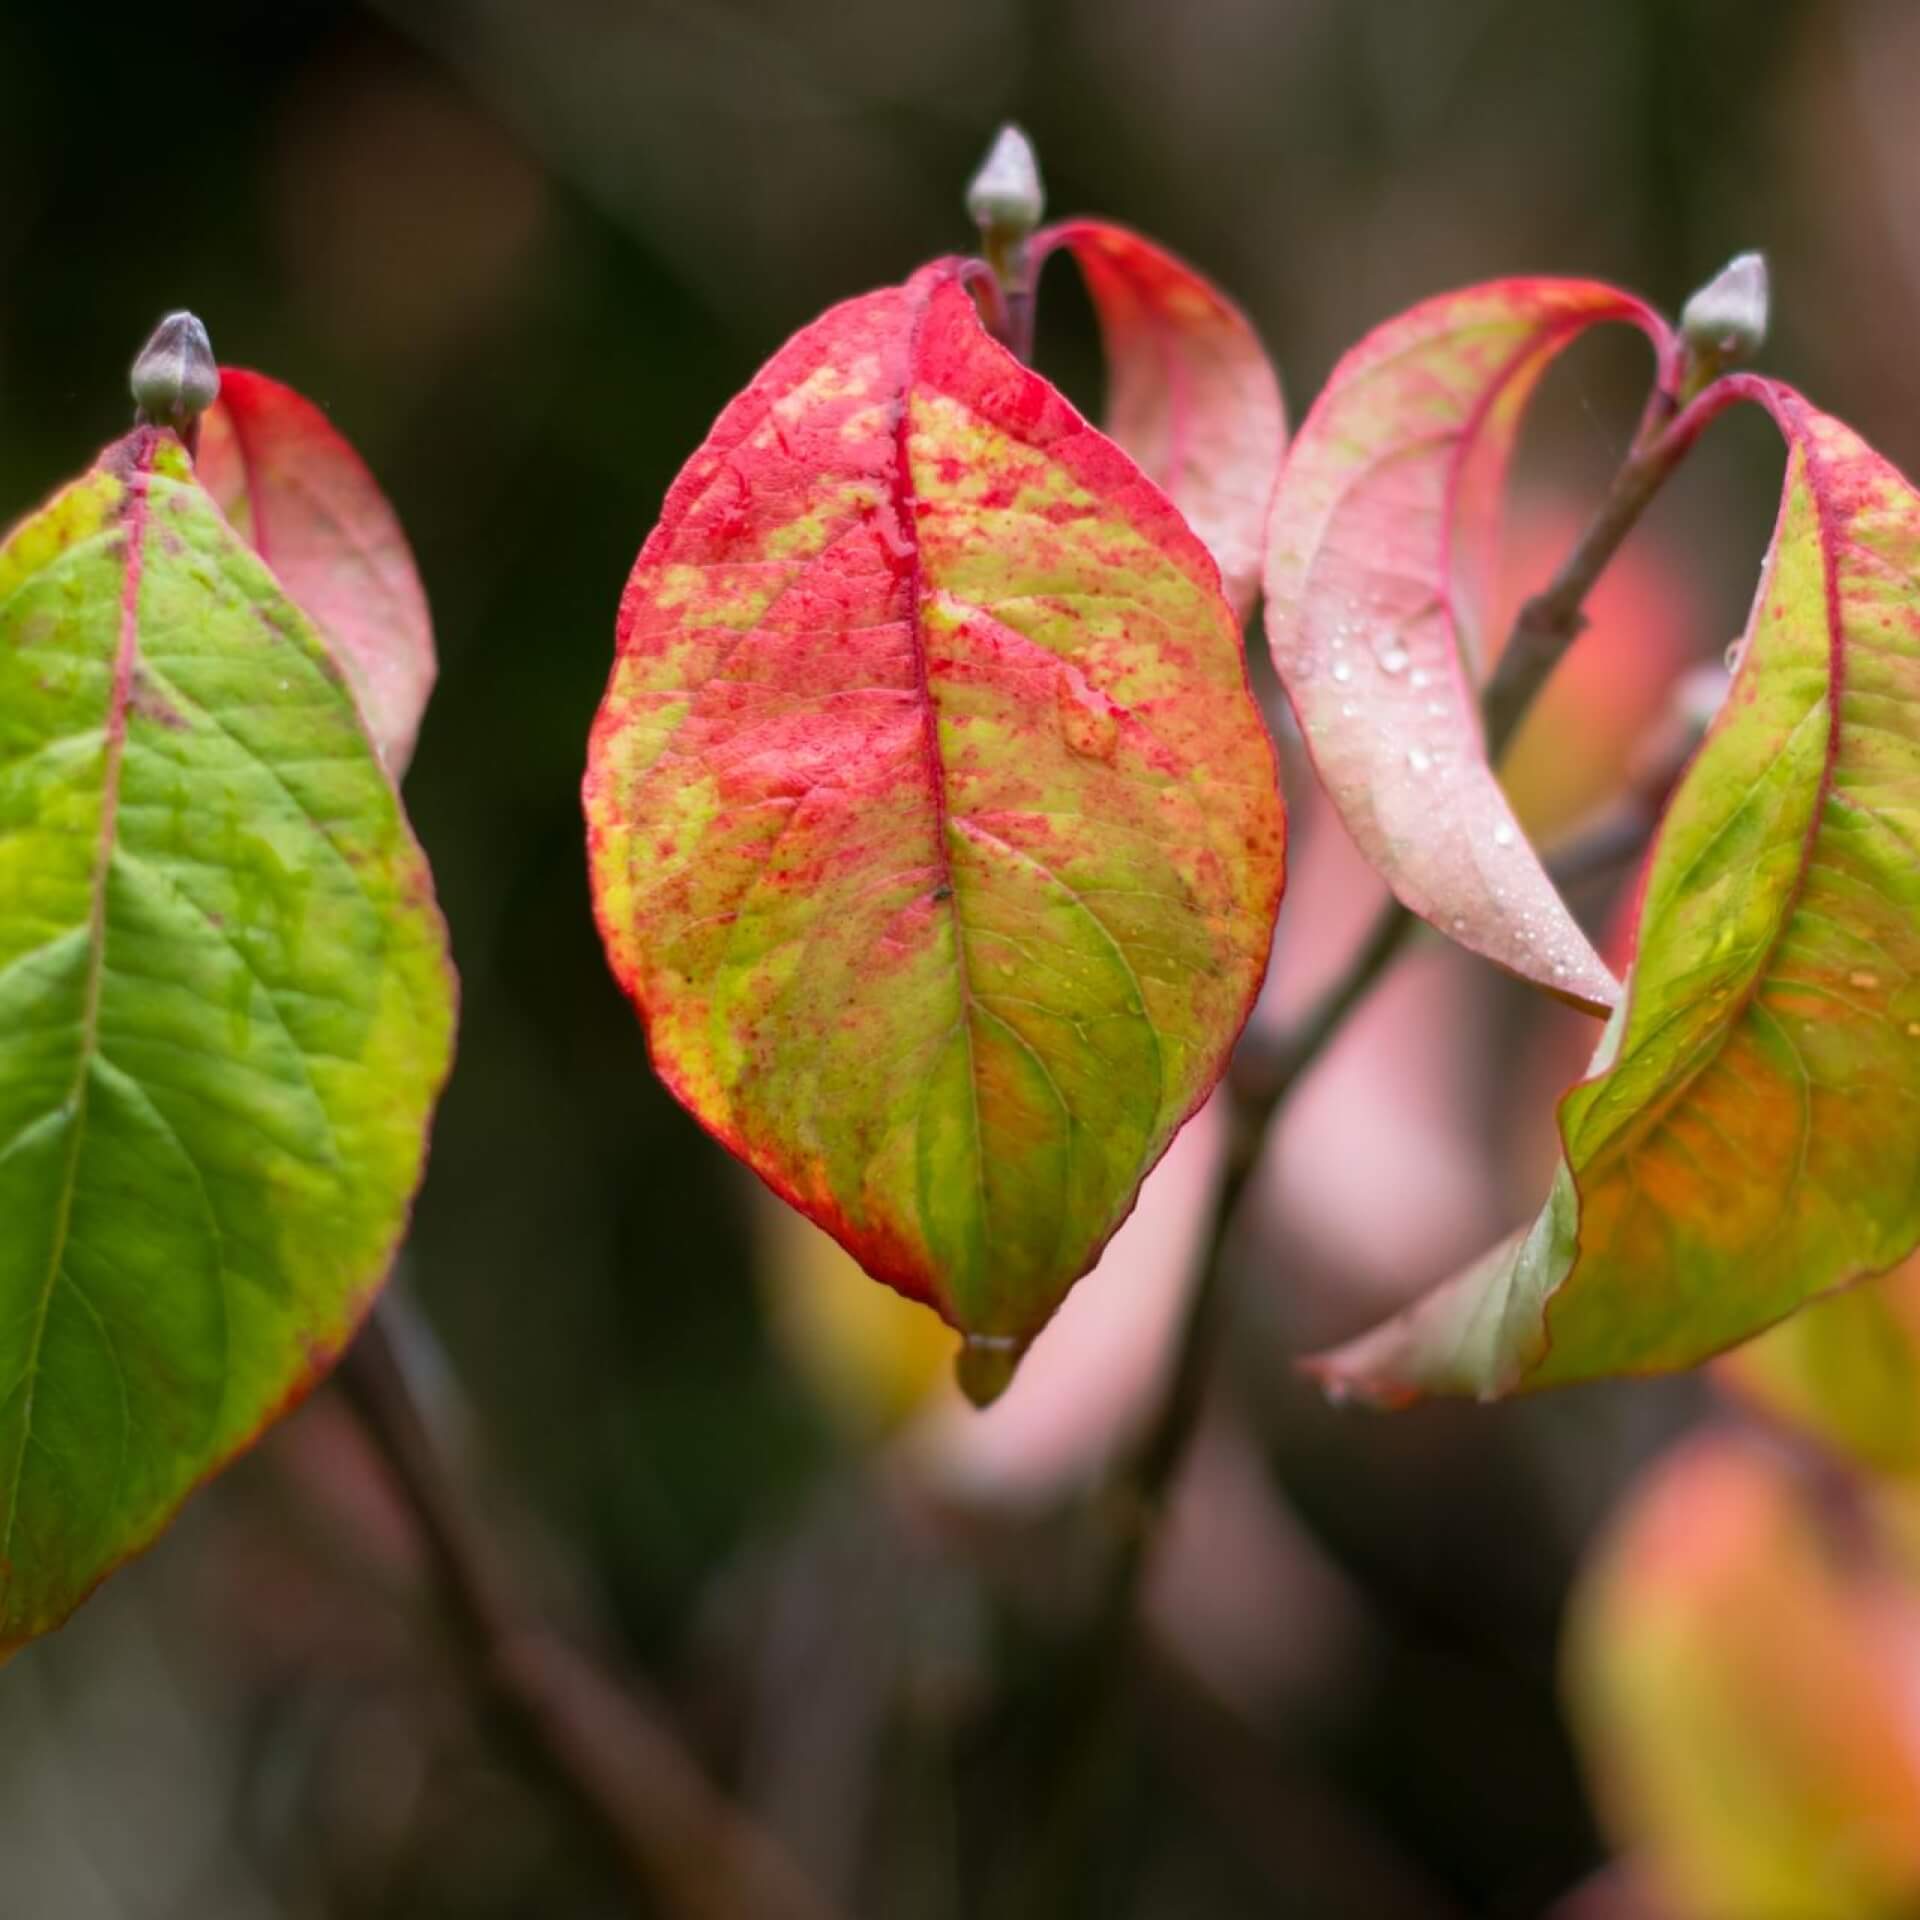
(1393, 659)
(1341, 671)
(1419, 677)
(1418, 761)
(1736, 652)
(1860, 977)
(1503, 835)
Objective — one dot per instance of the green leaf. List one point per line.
(1379, 569)
(1750, 1136)
(1191, 394)
(933, 826)
(225, 1014)
(1739, 1677)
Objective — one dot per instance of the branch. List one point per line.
(1263, 1073)
(1553, 619)
(677, 1840)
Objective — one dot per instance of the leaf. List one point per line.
(1845, 1369)
(1750, 1136)
(1379, 559)
(1191, 394)
(294, 488)
(1739, 1682)
(225, 1014)
(933, 827)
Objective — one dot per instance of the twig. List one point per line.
(1553, 619)
(677, 1840)
(1546, 626)
(1261, 1077)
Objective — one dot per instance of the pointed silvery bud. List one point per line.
(1726, 321)
(1005, 197)
(175, 380)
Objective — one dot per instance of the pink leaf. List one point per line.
(1190, 391)
(1378, 560)
(299, 493)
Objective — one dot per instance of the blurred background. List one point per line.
(523, 254)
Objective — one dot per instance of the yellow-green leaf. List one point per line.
(225, 1014)
(1750, 1136)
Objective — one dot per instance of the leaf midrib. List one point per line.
(906, 524)
(134, 513)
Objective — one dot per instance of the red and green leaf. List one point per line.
(294, 488)
(933, 827)
(1191, 394)
(1379, 568)
(1750, 1136)
(226, 1011)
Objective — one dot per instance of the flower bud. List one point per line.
(1005, 197)
(1726, 321)
(175, 379)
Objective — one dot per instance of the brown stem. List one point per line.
(676, 1839)
(1550, 622)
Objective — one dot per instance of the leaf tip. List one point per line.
(175, 378)
(985, 1365)
(1345, 1378)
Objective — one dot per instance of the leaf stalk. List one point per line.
(681, 1845)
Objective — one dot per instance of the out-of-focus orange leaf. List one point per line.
(1746, 1688)
(1845, 1369)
